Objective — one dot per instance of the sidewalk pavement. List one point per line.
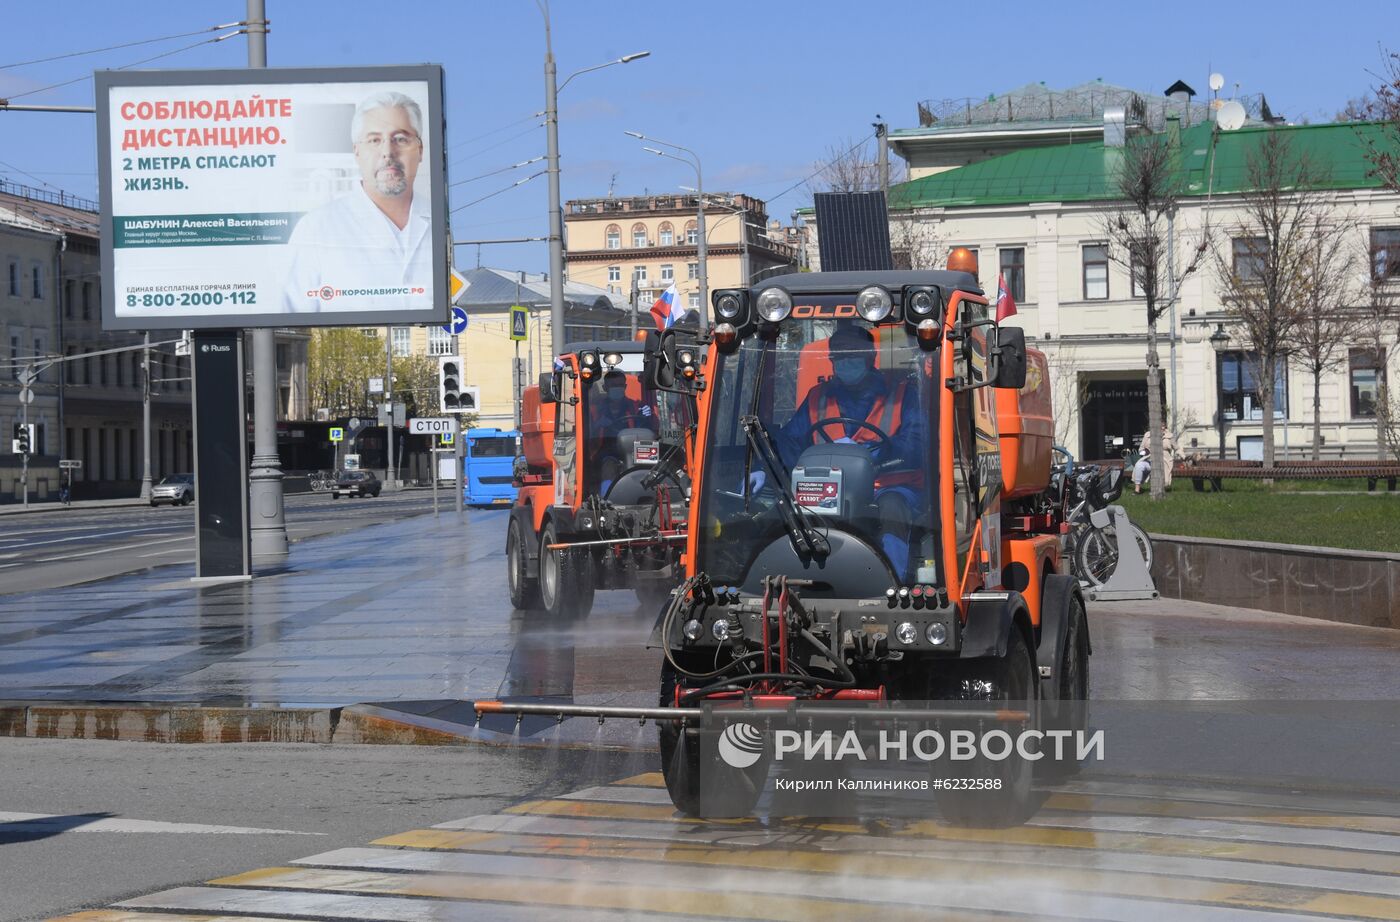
(412, 614)
(53, 505)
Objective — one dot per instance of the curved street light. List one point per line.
(693, 161)
(556, 208)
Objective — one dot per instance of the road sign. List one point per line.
(70, 465)
(458, 323)
(433, 425)
(356, 422)
(457, 285)
(446, 438)
(352, 462)
(519, 319)
(337, 434)
(27, 375)
(376, 385)
(26, 395)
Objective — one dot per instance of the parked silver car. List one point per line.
(175, 489)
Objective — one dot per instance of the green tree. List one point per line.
(340, 362)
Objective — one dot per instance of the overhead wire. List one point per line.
(513, 185)
(504, 169)
(155, 57)
(144, 41)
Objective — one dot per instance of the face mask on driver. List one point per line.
(849, 370)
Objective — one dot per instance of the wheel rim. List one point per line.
(513, 558)
(549, 569)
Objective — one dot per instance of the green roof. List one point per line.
(1083, 172)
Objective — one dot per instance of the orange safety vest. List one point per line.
(884, 414)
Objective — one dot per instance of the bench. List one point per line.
(1215, 473)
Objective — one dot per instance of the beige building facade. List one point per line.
(652, 242)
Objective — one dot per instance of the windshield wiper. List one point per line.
(806, 540)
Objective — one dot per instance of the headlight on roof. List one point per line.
(874, 303)
(774, 305)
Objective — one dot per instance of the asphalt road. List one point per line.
(119, 819)
(63, 547)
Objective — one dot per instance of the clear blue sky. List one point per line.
(761, 89)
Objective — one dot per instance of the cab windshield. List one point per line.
(843, 411)
(629, 425)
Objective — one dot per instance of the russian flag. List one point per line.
(1006, 306)
(667, 309)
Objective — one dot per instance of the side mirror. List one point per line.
(549, 392)
(1011, 358)
(662, 369)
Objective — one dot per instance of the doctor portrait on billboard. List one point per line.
(373, 245)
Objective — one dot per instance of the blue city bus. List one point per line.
(488, 467)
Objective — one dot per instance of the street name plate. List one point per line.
(432, 426)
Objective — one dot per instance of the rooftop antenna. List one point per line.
(1217, 80)
(612, 183)
(1231, 116)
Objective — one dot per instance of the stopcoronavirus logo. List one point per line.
(740, 745)
(326, 293)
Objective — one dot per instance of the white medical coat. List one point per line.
(347, 252)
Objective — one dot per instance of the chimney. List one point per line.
(1180, 93)
(1174, 130)
(1115, 126)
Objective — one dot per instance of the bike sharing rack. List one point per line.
(1131, 579)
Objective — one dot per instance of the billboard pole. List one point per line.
(269, 528)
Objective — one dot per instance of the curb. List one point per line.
(359, 724)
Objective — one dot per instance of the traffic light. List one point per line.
(450, 384)
(22, 439)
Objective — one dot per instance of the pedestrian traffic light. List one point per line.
(450, 384)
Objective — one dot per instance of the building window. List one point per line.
(38, 352)
(102, 370)
(614, 273)
(1385, 252)
(68, 365)
(87, 300)
(693, 301)
(68, 299)
(118, 367)
(1136, 277)
(439, 341)
(692, 233)
(639, 235)
(1366, 376)
(1249, 254)
(639, 274)
(14, 279)
(87, 369)
(369, 332)
(1013, 270)
(668, 272)
(400, 336)
(36, 275)
(1095, 272)
(135, 369)
(1239, 385)
(614, 237)
(14, 357)
(667, 234)
(692, 270)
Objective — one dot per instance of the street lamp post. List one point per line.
(1220, 341)
(556, 210)
(694, 163)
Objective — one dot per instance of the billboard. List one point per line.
(272, 197)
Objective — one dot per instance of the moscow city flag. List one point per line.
(1006, 306)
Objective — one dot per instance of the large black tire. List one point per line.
(566, 586)
(1069, 709)
(727, 792)
(524, 590)
(1009, 678)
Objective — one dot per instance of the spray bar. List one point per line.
(603, 711)
(651, 539)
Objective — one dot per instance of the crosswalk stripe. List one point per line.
(122, 915)
(1277, 800)
(828, 874)
(1140, 806)
(542, 820)
(638, 896)
(356, 907)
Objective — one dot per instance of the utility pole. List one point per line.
(635, 294)
(269, 526)
(882, 134)
(556, 215)
(26, 382)
(146, 417)
(389, 402)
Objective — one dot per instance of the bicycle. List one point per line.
(1093, 551)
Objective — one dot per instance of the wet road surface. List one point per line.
(62, 547)
(1265, 790)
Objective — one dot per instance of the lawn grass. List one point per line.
(1288, 512)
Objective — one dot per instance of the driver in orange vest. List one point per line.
(859, 392)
